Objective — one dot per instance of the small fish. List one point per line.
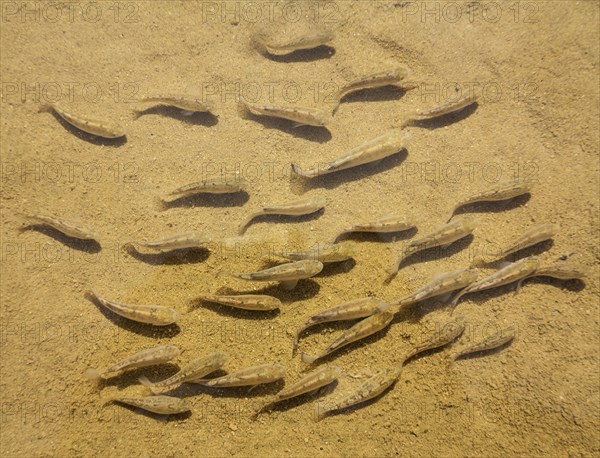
(442, 110)
(441, 237)
(195, 369)
(69, 228)
(441, 284)
(316, 379)
(360, 330)
(373, 150)
(157, 315)
(383, 225)
(165, 405)
(375, 80)
(514, 271)
(144, 358)
(370, 389)
(449, 332)
(282, 47)
(287, 274)
(494, 341)
(503, 191)
(324, 252)
(186, 103)
(244, 301)
(531, 237)
(175, 242)
(563, 271)
(300, 207)
(357, 308)
(221, 184)
(103, 129)
(302, 116)
(250, 376)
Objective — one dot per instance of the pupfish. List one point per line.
(144, 358)
(514, 271)
(563, 271)
(186, 103)
(244, 301)
(288, 45)
(449, 332)
(373, 150)
(532, 237)
(220, 184)
(351, 310)
(392, 223)
(105, 129)
(360, 330)
(371, 388)
(374, 80)
(165, 405)
(324, 252)
(316, 379)
(302, 116)
(494, 341)
(300, 207)
(195, 369)
(157, 315)
(69, 228)
(287, 274)
(441, 237)
(174, 242)
(250, 376)
(502, 191)
(450, 107)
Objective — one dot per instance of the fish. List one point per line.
(157, 315)
(186, 103)
(502, 191)
(68, 228)
(175, 242)
(300, 207)
(371, 388)
(562, 271)
(316, 379)
(391, 142)
(374, 80)
(360, 330)
(448, 333)
(244, 301)
(288, 45)
(440, 284)
(441, 237)
(532, 237)
(351, 310)
(144, 358)
(514, 271)
(392, 223)
(323, 252)
(250, 376)
(165, 405)
(301, 116)
(450, 107)
(287, 274)
(104, 129)
(220, 184)
(195, 369)
(494, 341)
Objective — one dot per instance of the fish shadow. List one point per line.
(318, 134)
(90, 138)
(143, 329)
(382, 237)
(533, 250)
(303, 55)
(493, 207)
(574, 285)
(288, 404)
(237, 199)
(381, 94)
(232, 312)
(199, 118)
(173, 257)
(163, 418)
(87, 246)
(445, 120)
(241, 392)
(300, 185)
(304, 290)
(284, 219)
(336, 268)
(482, 353)
(158, 372)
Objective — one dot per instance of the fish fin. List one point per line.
(308, 359)
(320, 412)
(187, 113)
(92, 374)
(298, 170)
(45, 108)
(445, 297)
(297, 124)
(144, 381)
(288, 284)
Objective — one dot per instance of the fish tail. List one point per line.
(92, 374)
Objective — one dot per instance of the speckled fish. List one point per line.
(450, 107)
(532, 237)
(69, 228)
(144, 358)
(449, 332)
(351, 310)
(562, 271)
(300, 207)
(502, 191)
(370, 389)
(441, 237)
(244, 301)
(380, 79)
(324, 252)
(494, 341)
(219, 184)
(360, 330)
(441, 284)
(186, 103)
(157, 315)
(165, 405)
(105, 129)
(301, 116)
(286, 274)
(195, 369)
(386, 224)
(287, 45)
(514, 271)
(316, 379)
(174, 242)
(250, 376)
(373, 150)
